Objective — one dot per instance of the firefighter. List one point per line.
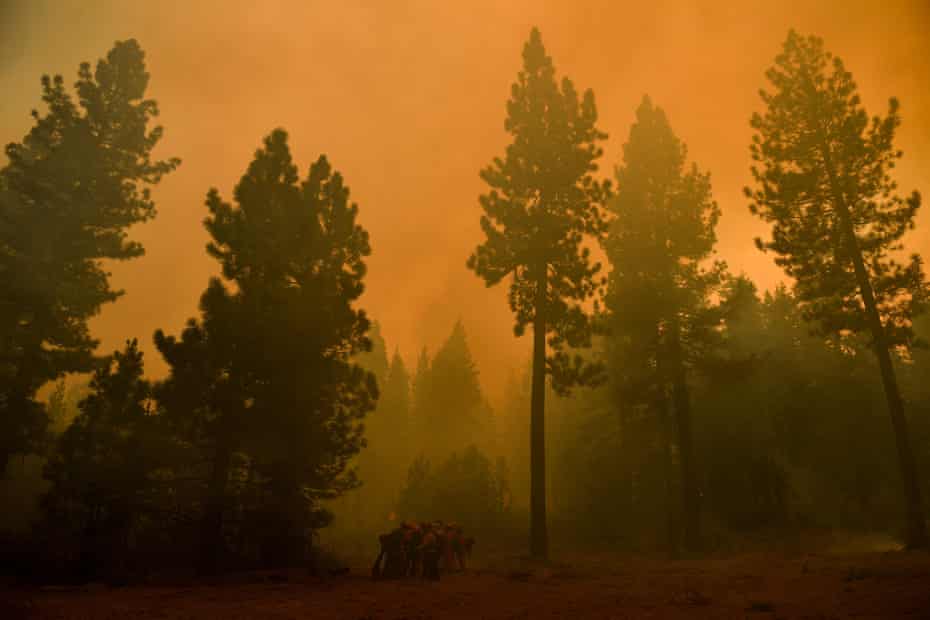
(461, 546)
(430, 551)
(468, 543)
(412, 539)
(392, 553)
(447, 538)
(376, 569)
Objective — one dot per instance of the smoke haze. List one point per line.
(407, 99)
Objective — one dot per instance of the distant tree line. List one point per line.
(425, 421)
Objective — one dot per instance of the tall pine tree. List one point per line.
(823, 181)
(658, 298)
(542, 204)
(71, 189)
(268, 372)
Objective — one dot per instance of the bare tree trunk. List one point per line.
(5, 455)
(666, 431)
(681, 399)
(211, 525)
(916, 526)
(671, 503)
(539, 537)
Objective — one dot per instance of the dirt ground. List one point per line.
(764, 585)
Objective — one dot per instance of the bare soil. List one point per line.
(760, 585)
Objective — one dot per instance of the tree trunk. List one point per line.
(668, 468)
(681, 400)
(916, 526)
(5, 455)
(211, 527)
(666, 439)
(539, 537)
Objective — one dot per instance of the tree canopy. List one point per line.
(274, 377)
(823, 180)
(70, 190)
(658, 302)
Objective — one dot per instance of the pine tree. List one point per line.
(658, 299)
(745, 481)
(71, 189)
(204, 400)
(383, 463)
(100, 471)
(395, 398)
(419, 402)
(418, 383)
(823, 180)
(450, 398)
(542, 204)
(267, 372)
(464, 486)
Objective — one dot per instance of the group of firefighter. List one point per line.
(422, 550)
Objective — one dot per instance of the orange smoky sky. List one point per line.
(407, 99)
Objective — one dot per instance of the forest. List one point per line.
(664, 404)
